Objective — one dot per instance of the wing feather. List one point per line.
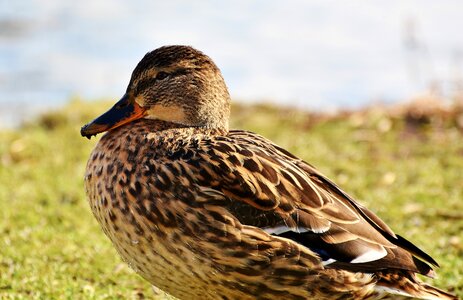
(269, 188)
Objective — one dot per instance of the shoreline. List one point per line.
(14, 115)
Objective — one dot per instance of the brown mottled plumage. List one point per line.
(204, 212)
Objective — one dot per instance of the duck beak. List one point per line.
(124, 111)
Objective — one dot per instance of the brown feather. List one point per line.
(190, 205)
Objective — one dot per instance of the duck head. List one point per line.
(178, 84)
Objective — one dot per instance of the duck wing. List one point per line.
(267, 187)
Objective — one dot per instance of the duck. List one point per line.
(202, 211)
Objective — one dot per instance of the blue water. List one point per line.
(314, 54)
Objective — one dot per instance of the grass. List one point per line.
(407, 169)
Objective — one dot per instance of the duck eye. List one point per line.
(161, 75)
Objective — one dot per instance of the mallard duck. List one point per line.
(204, 212)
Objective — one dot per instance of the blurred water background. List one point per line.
(320, 55)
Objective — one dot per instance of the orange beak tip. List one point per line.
(121, 113)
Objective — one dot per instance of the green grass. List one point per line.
(52, 248)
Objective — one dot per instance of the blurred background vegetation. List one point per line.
(403, 162)
(371, 94)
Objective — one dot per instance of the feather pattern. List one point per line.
(306, 203)
(238, 205)
(204, 212)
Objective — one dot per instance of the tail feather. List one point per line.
(431, 292)
(406, 284)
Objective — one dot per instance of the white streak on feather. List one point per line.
(329, 261)
(387, 290)
(282, 229)
(369, 256)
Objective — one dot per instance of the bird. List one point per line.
(202, 211)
